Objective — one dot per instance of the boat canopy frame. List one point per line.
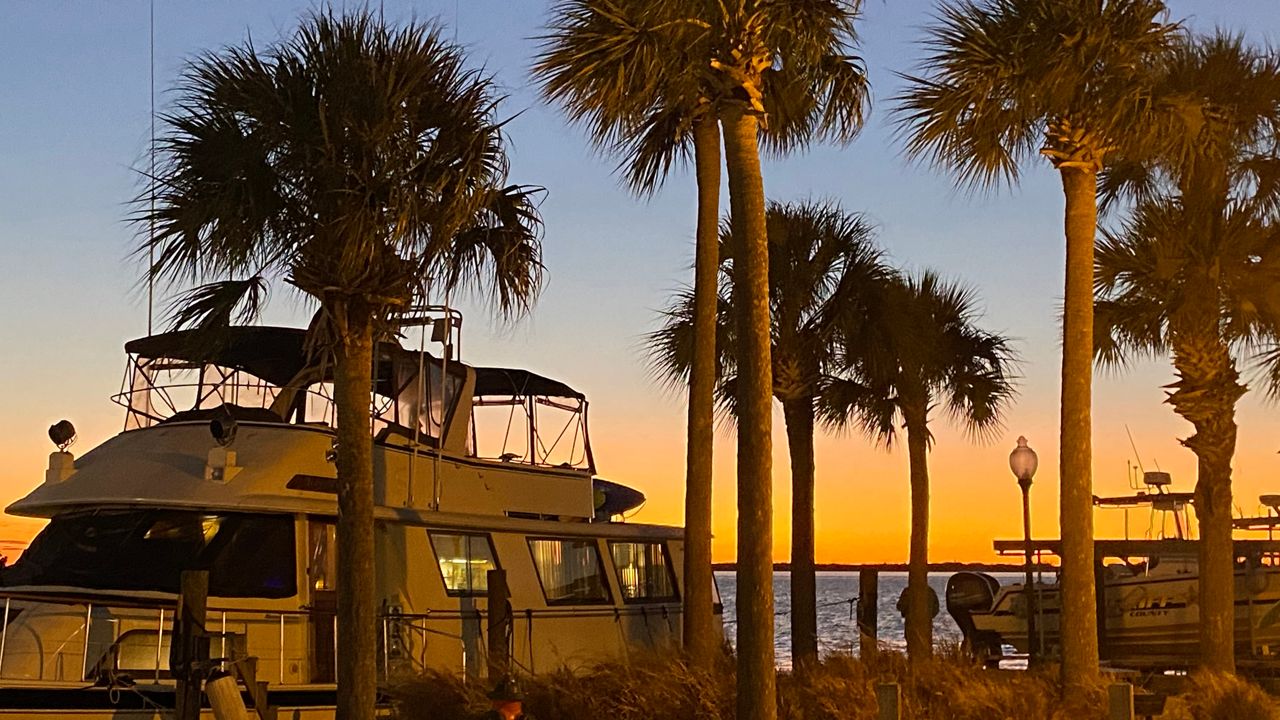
(272, 374)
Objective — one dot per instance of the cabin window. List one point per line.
(322, 555)
(246, 555)
(465, 562)
(570, 571)
(644, 572)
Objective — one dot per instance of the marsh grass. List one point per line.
(1218, 696)
(950, 687)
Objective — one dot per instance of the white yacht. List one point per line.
(224, 465)
(1149, 589)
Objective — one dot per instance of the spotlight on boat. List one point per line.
(63, 434)
(223, 430)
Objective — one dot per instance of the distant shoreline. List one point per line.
(944, 567)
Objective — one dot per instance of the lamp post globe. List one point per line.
(1023, 462)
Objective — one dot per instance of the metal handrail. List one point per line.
(394, 625)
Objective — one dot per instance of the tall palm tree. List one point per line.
(744, 43)
(363, 165)
(915, 350)
(821, 263)
(647, 76)
(1005, 80)
(1191, 274)
(609, 68)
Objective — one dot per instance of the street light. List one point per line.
(1023, 462)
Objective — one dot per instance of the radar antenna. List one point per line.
(1136, 455)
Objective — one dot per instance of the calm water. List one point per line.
(837, 627)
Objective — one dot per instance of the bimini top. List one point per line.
(278, 354)
(509, 381)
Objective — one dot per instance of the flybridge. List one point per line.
(273, 375)
(447, 435)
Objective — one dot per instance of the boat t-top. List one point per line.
(1148, 591)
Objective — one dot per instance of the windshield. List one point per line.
(246, 555)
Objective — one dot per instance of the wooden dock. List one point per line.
(1137, 548)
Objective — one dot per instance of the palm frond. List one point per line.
(218, 304)
(498, 255)
(659, 141)
(350, 158)
(871, 411)
(208, 312)
(638, 74)
(919, 346)
(998, 72)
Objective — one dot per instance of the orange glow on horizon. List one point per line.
(863, 504)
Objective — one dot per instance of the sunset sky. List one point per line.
(74, 130)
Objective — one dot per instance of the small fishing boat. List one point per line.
(225, 464)
(1148, 591)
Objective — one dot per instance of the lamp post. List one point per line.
(1023, 462)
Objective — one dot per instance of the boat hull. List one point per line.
(1149, 620)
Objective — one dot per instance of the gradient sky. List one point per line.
(74, 126)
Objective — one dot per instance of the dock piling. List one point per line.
(499, 610)
(868, 606)
(189, 649)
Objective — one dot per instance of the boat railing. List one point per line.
(108, 640)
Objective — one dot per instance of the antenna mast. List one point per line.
(151, 183)
(1134, 445)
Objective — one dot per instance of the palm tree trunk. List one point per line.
(1205, 394)
(1217, 554)
(756, 674)
(919, 615)
(1079, 626)
(700, 639)
(804, 591)
(357, 613)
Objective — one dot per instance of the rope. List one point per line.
(851, 602)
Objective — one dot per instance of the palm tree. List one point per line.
(744, 42)
(1191, 274)
(1005, 80)
(916, 349)
(649, 77)
(820, 259)
(364, 166)
(643, 103)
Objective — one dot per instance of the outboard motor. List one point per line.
(967, 593)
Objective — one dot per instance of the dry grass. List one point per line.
(1217, 696)
(842, 688)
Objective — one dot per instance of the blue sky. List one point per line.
(74, 96)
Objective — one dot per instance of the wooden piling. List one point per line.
(868, 606)
(189, 649)
(1100, 606)
(224, 697)
(499, 598)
